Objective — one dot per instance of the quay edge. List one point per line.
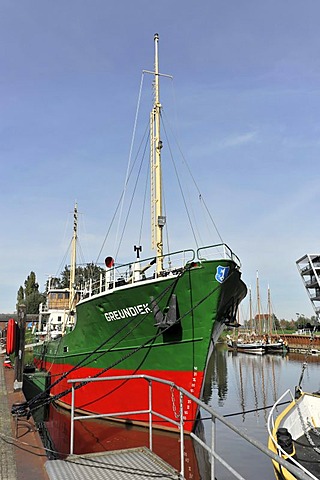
(22, 456)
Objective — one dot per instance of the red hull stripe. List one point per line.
(131, 395)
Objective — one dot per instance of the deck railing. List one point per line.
(270, 425)
(119, 275)
(179, 424)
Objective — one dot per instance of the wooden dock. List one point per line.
(302, 343)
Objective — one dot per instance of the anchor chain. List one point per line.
(306, 432)
(174, 407)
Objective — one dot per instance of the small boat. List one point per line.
(276, 346)
(246, 343)
(255, 347)
(158, 316)
(294, 434)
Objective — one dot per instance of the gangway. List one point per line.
(77, 466)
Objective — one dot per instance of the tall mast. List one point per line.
(250, 310)
(73, 259)
(269, 312)
(258, 305)
(157, 218)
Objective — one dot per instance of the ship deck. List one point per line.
(306, 455)
(118, 465)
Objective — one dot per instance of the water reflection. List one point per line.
(239, 386)
(243, 387)
(92, 436)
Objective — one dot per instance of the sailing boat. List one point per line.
(273, 345)
(57, 314)
(159, 316)
(247, 343)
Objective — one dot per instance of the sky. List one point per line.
(246, 108)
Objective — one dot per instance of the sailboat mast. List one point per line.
(258, 305)
(269, 311)
(250, 310)
(157, 218)
(73, 258)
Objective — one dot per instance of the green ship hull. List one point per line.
(161, 326)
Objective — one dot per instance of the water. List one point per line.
(240, 383)
(241, 387)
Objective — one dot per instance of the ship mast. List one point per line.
(157, 218)
(250, 310)
(73, 259)
(258, 305)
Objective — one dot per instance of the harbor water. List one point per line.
(240, 387)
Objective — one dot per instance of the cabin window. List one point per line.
(59, 318)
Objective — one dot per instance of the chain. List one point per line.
(308, 352)
(306, 432)
(174, 407)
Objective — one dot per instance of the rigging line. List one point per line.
(195, 183)
(131, 201)
(144, 205)
(109, 392)
(82, 362)
(62, 394)
(64, 259)
(81, 255)
(146, 344)
(180, 187)
(253, 410)
(170, 288)
(130, 157)
(120, 199)
(167, 229)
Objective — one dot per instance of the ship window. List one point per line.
(60, 295)
(65, 349)
(59, 318)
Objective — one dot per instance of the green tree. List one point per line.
(20, 295)
(30, 295)
(83, 274)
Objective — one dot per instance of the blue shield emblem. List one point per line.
(222, 273)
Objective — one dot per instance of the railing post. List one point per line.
(100, 287)
(72, 421)
(181, 436)
(213, 442)
(150, 415)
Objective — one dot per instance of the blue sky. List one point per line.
(247, 93)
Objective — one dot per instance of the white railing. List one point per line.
(304, 473)
(178, 424)
(144, 269)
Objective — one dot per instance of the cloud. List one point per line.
(237, 140)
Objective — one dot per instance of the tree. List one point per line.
(20, 296)
(30, 284)
(30, 295)
(83, 274)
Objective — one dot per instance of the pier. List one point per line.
(23, 456)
